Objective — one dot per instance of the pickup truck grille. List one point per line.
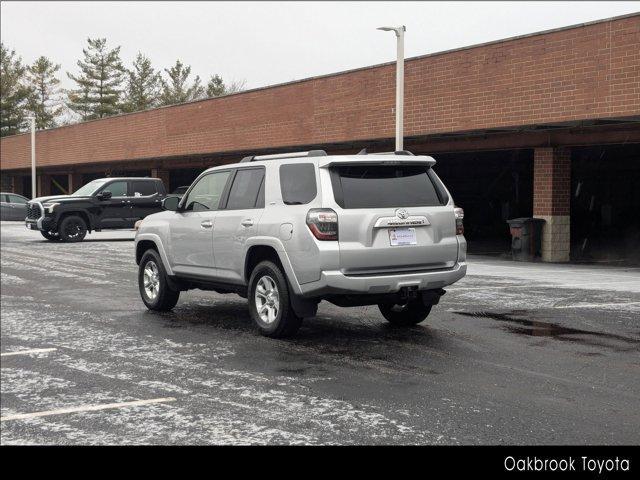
(33, 211)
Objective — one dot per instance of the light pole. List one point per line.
(399, 31)
(33, 156)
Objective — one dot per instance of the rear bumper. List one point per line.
(335, 282)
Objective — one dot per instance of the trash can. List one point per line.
(526, 238)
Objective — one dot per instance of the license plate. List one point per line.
(31, 226)
(402, 236)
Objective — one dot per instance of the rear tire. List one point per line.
(406, 315)
(269, 302)
(51, 236)
(72, 229)
(155, 289)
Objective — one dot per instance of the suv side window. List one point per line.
(143, 188)
(298, 183)
(117, 189)
(246, 189)
(207, 192)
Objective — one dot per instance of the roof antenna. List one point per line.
(362, 152)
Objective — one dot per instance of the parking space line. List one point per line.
(85, 408)
(27, 352)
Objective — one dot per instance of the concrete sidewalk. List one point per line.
(589, 277)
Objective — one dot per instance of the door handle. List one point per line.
(206, 224)
(247, 222)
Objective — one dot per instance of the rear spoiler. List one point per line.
(397, 152)
(371, 159)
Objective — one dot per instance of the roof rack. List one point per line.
(397, 152)
(276, 156)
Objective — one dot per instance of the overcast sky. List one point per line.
(273, 42)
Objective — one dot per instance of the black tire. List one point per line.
(406, 315)
(166, 297)
(285, 322)
(72, 228)
(52, 236)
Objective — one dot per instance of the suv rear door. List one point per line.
(393, 217)
(236, 221)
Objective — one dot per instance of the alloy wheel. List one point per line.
(267, 299)
(151, 280)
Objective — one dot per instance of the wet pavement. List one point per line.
(513, 354)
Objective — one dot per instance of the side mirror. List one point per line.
(171, 203)
(104, 195)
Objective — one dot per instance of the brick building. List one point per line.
(544, 125)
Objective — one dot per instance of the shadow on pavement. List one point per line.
(365, 339)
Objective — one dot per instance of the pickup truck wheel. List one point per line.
(154, 287)
(269, 302)
(406, 315)
(53, 236)
(72, 229)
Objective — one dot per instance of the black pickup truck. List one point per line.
(106, 203)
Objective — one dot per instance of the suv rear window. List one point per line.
(246, 189)
(383, 186)
(298, 183)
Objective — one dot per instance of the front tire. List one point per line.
(269, 302)
(405, 315)
(155, 289)
(51, 236)
(72, 228)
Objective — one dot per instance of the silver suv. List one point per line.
(286, 231)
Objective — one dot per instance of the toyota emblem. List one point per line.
(402, 214)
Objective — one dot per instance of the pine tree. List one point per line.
(177, 89)
(45, 101)
(14, 93)
(99, 82)
(215, 87)
(143, 86)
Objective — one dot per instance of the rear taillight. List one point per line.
(323, 223)
(459, 214)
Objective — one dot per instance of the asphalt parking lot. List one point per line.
(514, 354)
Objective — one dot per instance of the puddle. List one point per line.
(536, 328)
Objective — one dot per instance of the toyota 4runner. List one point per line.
(106, 203)
(287, 231)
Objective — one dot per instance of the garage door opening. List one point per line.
(491, 187)
(183, 177)
(59, 185)
(605, 200)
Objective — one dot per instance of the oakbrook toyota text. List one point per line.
(569, 464)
